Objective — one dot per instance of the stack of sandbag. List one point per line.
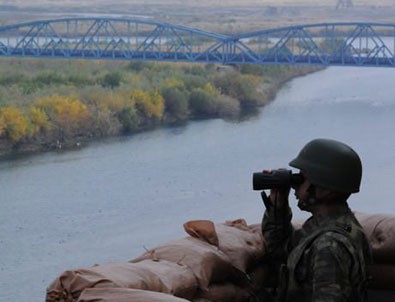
(221, 257)
(380, 230)
(211, 265)
(125, 295)
(165, 277)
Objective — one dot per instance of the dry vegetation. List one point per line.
(69, 3)
(225, 16)
(45, 104)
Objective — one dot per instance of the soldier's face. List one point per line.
(310, 197)
(302, 195)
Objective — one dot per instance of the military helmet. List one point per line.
(330, 164)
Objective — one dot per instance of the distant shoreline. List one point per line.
(7, 148)
(227, 17)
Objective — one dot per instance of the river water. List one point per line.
(113, 199)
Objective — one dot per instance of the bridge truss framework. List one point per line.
(341, 44)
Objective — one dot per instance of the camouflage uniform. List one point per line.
(325, 260)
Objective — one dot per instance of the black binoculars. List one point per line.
(275, 179)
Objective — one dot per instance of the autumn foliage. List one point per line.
(14, 125)
(67, 115)
(50, 103)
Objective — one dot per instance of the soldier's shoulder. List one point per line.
(331, 239)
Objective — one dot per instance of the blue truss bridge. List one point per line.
(339, 44)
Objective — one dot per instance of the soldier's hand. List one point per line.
(279, 197)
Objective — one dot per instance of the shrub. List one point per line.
(194, 81)
(13, 124)
(128, 119)
(111, 80)
(39, 121)
(149, 105)
(241, 87)
(48, 78)
(67, 114)
(106, 123)
(227, 106)
(139, 66)
(176, 103)
(202, 103)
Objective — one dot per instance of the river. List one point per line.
(113, 199)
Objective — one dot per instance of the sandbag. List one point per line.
(380, 230)
(382, 277)
(207, 263)
(224, 292)
(243, 245)
(203, 230)
(125, 295)
(163, 276)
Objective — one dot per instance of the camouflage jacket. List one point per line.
(325, 259)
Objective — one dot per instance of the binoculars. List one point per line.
(275, 179)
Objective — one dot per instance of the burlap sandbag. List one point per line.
(125, 295)
(244, 245)
(164, 276)
(380, 230)
(207, 262)
(383, 277)
(223, 292)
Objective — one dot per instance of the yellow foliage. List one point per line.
(151, 105)
(174, 83)
(159, 104)
(64, 109)
(39, 120)
(133, 79)
(252, 79)
(2, 126)
(67, 113)
(210, 89)
(108, 101)
(14, 123)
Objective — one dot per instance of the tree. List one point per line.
(2, 126)
(176, 103)
(227, 106)
(210, 89)
(243, 87)
(202, 103)
(13, 124)
(39, 120)
(128, 119)
(149, 105)
(68, 115)
(111, 80)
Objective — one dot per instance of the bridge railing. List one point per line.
(122, 39)
(343, 44)
(357, 44)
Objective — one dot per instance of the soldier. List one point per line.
(326, 259)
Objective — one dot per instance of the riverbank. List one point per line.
(116, 198)
(54, 106)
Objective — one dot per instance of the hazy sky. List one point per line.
(195, 2)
